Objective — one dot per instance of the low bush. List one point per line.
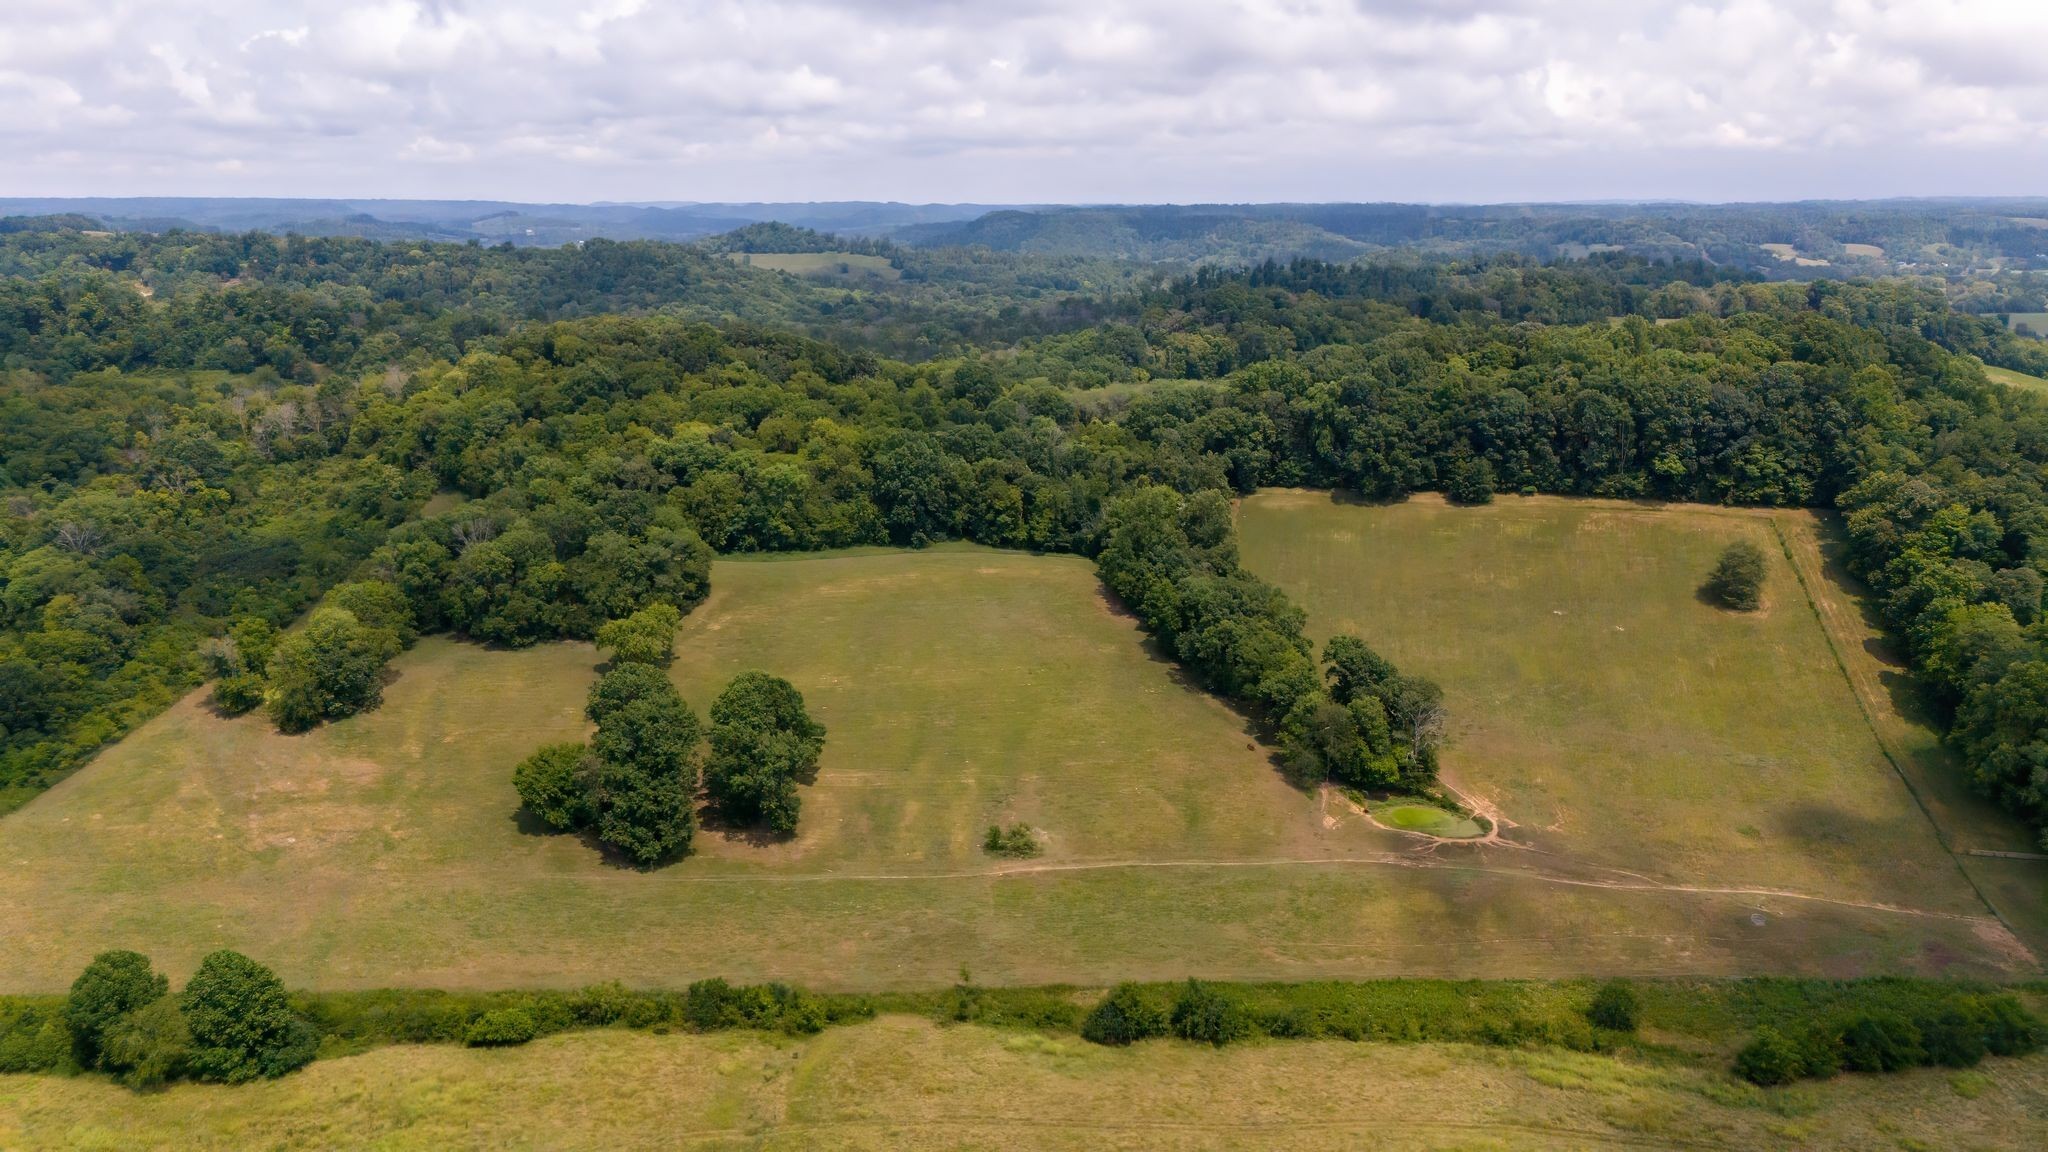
(1017, 841)
(33, 1038)
(1125, 1016)
(501, 1028)
(238, 694)
(1615, 1007)
(1209, 1015)
(150, 1046)
(1769, 1059)
(1880, 1041)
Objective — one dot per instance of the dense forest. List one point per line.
(516, 445)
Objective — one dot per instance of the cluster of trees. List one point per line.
(1953, 1031)
(634, 786)
(1172, 559)
(231, 1023)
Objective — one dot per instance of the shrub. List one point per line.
(1954, 1036)
(2009, 1030)
(113, 985)
(1769, 1059)
(35, 1041)
(601, 1004)
(149, 1046)
(552, 785)
(501, 1028)
(1016, 841)
(1615, 1007)
(238, 694)
(1880, 1041)
(1123, 1017)
(710, 1005)
(1207, 1015)
(1738, 577)
(802, 1014)
(243, 1027)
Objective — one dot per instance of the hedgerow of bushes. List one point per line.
(122, 1019)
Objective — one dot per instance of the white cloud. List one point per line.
(1029, 100)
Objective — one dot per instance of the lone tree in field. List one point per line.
(763, 743)
(1738, 578)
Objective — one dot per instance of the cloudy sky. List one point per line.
(1025, 100)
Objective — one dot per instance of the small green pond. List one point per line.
(1428, 820)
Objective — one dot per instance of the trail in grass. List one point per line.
(1383, 860)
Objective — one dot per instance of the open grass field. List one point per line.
(1788, 252)
(1610, 716)
(905, 1083)
(2016, 379)
(836, 265)
(961, 686)
(2029, 323)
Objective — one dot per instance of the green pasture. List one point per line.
(961, 687)
(1609, 713)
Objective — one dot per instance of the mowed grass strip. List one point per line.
(1602, 705)
(961, 687)
(906, 1083)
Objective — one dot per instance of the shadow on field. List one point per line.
(1259, 737)
(1908, 697)
(713, 823)
(1845, 841)
(528, 824)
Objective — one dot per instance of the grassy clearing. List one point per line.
(1788, 252)
(830, 265)
(2015, 379)
(906, 1083)
(2028, 323)
(1608, 712)
(1867, 251)
(961, 687)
